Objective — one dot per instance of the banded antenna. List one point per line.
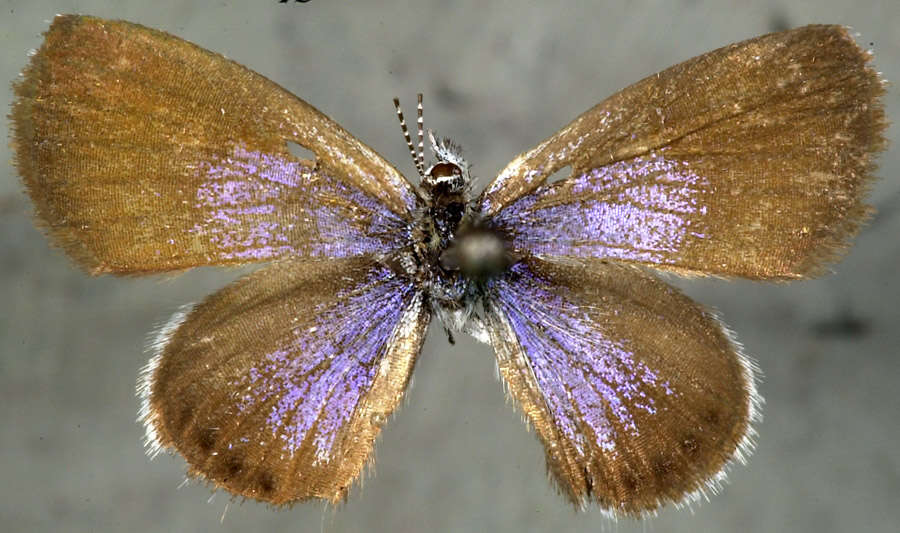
(418, 157)
(420, 126)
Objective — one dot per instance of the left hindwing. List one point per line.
(276, 386)
(638, 395)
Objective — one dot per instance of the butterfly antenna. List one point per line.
(412, 150)
(420, 126)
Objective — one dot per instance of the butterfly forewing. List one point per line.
(751, 160)
(638, 395)
(276, 386)
(145, 153)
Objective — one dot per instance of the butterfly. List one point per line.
(144, 154)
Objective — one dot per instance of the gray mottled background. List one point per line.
(498, 77)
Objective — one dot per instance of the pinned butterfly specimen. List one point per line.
(144, 154)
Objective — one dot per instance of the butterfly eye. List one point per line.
(442, 171)
(444, 176)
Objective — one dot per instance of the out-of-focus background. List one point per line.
(498, 77)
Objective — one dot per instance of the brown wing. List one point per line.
(638, 395)
(751, 160)
(276, 387)
(144, 153)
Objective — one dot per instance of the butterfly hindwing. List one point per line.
(145, 153)
(276, 386)
(751, 161)
(638, 395)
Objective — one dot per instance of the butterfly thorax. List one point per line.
(446, 189)
(453, 254)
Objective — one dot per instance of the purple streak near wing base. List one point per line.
(637, 393)
(320, 372)
(255, 205)
(279, 383)
(585, 377)
(638, 210)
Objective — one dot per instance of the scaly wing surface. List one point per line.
(750, 161)
(145, 153)
(639, 396)
(276, 386)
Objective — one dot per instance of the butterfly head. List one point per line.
(450, 173)
(448, 176)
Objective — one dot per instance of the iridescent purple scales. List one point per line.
(256, 204)
(585, 377)
(634, 210)
(313, 382)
